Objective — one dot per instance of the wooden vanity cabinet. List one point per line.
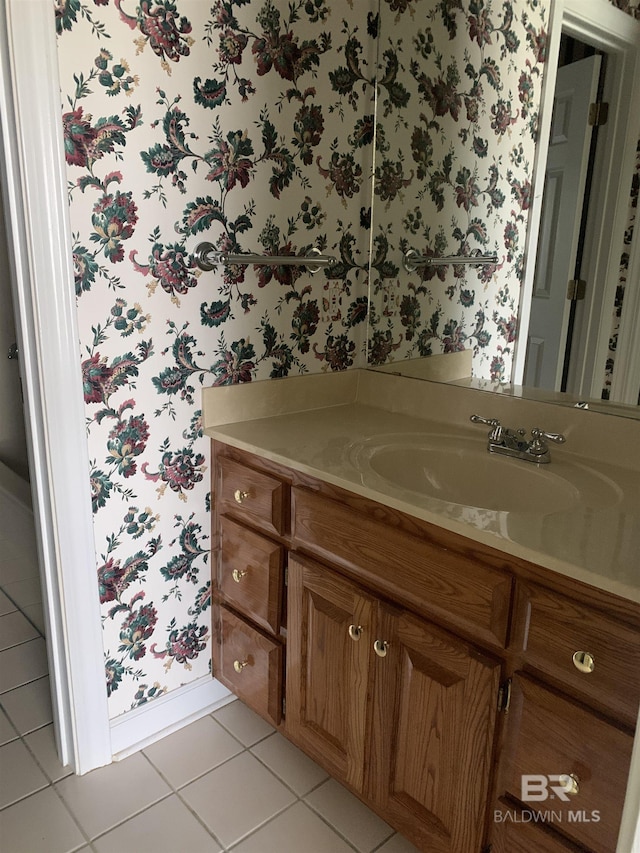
(427, 672)
(399, 709)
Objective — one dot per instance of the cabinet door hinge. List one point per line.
(576, 289)
(504, 696)
(284, 707)
(598, 113)
(286, 575)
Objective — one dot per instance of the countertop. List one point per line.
(596, 541)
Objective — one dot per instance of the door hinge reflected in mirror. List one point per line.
(576, 289)
(504, 696)
(598, 113)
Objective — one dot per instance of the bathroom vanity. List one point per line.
(458, 687)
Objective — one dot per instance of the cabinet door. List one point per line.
(435, 707)
(328, 641)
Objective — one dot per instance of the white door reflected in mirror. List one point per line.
(564, 197)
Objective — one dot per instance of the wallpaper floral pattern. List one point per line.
(247, 123)
(456, 135)
(622, 282)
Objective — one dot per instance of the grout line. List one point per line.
(126, 819)
(84, 834)
(176, 792)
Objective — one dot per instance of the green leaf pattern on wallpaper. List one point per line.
(460, 91)
(250, 125)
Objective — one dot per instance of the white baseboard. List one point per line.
(143, 726)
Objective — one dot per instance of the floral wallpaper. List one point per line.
(632, 7)
(622, 281)
(456, 135)
(249, 124)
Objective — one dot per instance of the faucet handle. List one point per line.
(496, 429)
(477, 419)
(537, 434)
(538, 448)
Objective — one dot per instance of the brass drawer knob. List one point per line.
(381, 647)
(239, 665)
(570, 783)
(238, 574)
(584, 662)
(239, 496)
(355, 631)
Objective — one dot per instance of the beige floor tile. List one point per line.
(167, 827)
(15, 629)
(16, 566)
(20, 775)
(398, 844)
(39, 824)
(297, 830)
(7, 731)
(192, 751)
(243, 723)
(289, 764)
(6, 605)
(43, 746)
(108, 796)
(25, 592)
(29, 707)
(22, 664)
(237, 798)
(351, 818)
(35, 614)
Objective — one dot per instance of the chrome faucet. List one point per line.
(510, 442)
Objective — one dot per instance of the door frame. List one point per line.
(618, 35)
(39, 236)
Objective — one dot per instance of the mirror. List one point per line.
(456, 150)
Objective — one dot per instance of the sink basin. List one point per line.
(461, 471)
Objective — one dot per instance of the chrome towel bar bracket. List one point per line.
(413, 261)
(207, 257)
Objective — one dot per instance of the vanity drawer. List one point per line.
(552, 735)
(253, 496)
(586, 651)
(458, 588)
(250, 574)
(249, 664)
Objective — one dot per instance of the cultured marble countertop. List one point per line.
(596, 540)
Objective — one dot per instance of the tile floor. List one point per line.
(226, 782)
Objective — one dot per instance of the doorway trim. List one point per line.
(34, 183)
(616, 33)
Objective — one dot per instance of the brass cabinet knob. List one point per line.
(239, 496)
(570, 783)
(238, 574)
(584, 661)
(355, 631)
(239, 665)
(381, 647)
